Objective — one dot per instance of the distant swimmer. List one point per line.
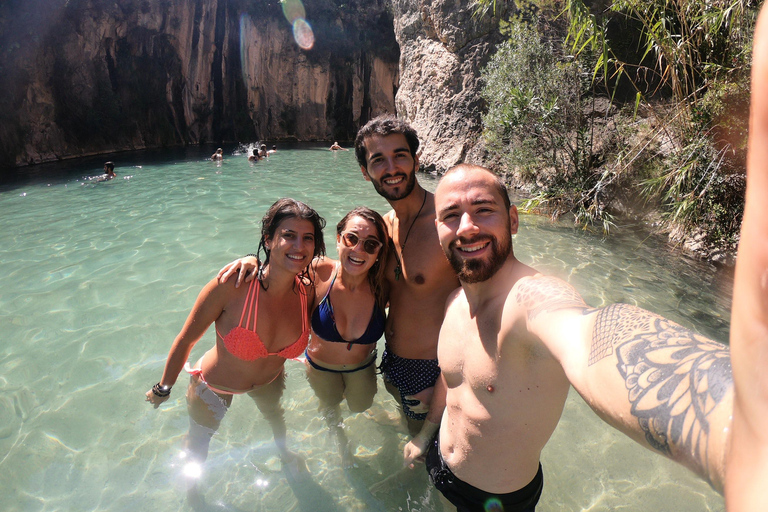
(218, 155)
(109, 169)
(263, 151)
(273, 150)
(336, 147)
(255, 156)
(109, 173)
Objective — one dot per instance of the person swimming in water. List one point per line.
(109, 173)
(218, 155)
(257, 328)
(348, 320)
(109, 170)
(336, 147)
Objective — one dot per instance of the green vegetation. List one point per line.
(677, 74)
(538, 122)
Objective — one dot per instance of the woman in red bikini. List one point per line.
(257, 328)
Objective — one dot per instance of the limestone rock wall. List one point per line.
(96, 76)
(443, 46)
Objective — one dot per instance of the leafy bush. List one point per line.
(688, 64)
(537, 123)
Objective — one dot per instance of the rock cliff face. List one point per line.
(95, 76)
(443, 46)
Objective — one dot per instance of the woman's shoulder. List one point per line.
(218, 294)
(228, 288)
(323, 269)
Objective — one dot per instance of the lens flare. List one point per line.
(494, 505)
(303, 35)
(293, 10)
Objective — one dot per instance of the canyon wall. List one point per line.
(94, 76)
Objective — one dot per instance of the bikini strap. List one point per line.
(303, 302)
(333, 280)
(251, 305)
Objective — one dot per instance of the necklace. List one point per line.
(398, 266)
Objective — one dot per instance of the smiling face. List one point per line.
(473, 223)
(293, 244)
(390, 166)
(354, 259)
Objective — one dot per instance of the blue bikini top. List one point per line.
(324, 323)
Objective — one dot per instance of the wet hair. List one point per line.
(109, 166)
(282, 209)
(498, 185)
(384, 125)
(376, 272)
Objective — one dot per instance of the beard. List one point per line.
(410, 182)
(478, 270)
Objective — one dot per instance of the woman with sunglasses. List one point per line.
(348, 318)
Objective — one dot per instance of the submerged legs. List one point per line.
(359, 388)
(267, 399)
(206, 410)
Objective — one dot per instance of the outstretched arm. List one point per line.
(748, 458)
(663, 385)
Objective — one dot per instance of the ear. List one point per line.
(365, 173)
(514, 221)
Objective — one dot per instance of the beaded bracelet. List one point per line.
(161, 391)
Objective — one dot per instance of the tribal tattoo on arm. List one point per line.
(674, 377)
(540, 294)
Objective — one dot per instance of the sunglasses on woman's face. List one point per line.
(370, 245)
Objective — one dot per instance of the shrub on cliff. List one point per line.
(541, 121)
(683, 65)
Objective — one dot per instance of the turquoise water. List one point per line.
(99, 277)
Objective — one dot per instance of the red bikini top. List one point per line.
(244, 343)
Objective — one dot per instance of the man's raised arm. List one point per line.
(663, 385)
(748, 457)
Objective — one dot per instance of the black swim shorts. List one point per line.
(468, 498)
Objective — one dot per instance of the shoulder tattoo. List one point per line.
(547, 293)
(674, 377)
